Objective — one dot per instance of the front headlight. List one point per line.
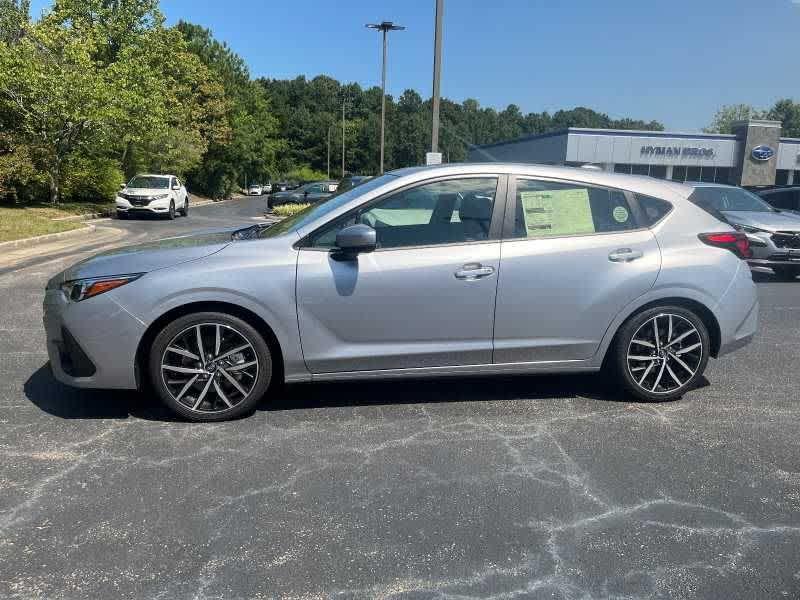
(81, 289)
(160, 196)
(748, 228)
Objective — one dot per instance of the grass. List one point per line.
(25, 222)
(68, 209)
(287, 210)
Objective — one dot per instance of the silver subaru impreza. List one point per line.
(454, 270)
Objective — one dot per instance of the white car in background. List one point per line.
(255, 190)
(154, 194)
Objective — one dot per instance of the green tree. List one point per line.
(727, 115)
(250, 147)
(787, 112)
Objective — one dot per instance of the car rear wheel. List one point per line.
(661, 353)
(210, 366)
(786, 273)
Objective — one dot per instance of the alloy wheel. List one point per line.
(665, 353)
(210, 367)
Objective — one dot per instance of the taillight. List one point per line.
(736, 242)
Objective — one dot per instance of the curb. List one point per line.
(43, 239)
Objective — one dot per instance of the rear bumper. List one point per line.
(91, 344)
(737, 312)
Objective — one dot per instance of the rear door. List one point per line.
(573, 255)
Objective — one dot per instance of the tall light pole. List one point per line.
(344, 99)
(437, 75)
(385, 27)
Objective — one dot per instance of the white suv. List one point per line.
(154, 194)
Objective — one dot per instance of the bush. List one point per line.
(92, 180)
(305, 174)
(287, 210)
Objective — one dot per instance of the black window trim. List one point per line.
(509, 224)
(495, 228)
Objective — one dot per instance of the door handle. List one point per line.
(625, 255)
(473, 271)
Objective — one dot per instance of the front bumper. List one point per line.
(153, 206)
(766, 253)
(91, 344)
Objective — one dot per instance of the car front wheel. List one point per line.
(185, 209)
(210, 366)
(661, 353)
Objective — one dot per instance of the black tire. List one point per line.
(171, 213)
(210, 406)
(185, 209)
(786, 273)
(122, 215)
(657, 381)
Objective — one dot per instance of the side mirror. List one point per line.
(122, 186)
(354, 240)
(305, 194)
(176, 187)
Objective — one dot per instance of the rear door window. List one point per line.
(551, 209)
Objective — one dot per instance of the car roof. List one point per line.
(635, 183)
(708, 184)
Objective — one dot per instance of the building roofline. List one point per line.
(614, 132)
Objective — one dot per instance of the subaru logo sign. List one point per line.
(763, 153)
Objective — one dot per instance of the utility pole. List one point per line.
(329, 151)
(385, 27)
(343, 101)
(437, 75)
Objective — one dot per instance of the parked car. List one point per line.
(398, 277)
(266, 188)
(310, 192)
(351, 181)
(255, 190)
(281, 186)
(774, 235)
(153, 194)
(784, 197)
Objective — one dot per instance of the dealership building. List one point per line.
(755, 154)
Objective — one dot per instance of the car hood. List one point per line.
(142, 258)
(769, 221)
(145, 191)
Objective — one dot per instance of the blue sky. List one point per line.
(676, 61)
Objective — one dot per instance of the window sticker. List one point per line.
(620, 214)
(557, 212)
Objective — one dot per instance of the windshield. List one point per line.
(320, 209)
(729, 199)
(149, 183)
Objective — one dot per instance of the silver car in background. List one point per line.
(453, 270)
(774, 234)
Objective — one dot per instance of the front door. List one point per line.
(574, 256)
(424, 298)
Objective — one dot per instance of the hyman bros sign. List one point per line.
(677, 151)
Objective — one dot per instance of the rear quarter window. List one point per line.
(653, 209)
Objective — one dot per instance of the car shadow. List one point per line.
(56, 399)
(59, 400)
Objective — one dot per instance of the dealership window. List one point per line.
(626, 169)
(723, 175)
(678, 173)
(549, 209)
(782, 177)
(707, 174)
(640, 169)
(692, 173)
(658, 171)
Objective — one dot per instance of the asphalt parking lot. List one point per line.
(524, 487)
